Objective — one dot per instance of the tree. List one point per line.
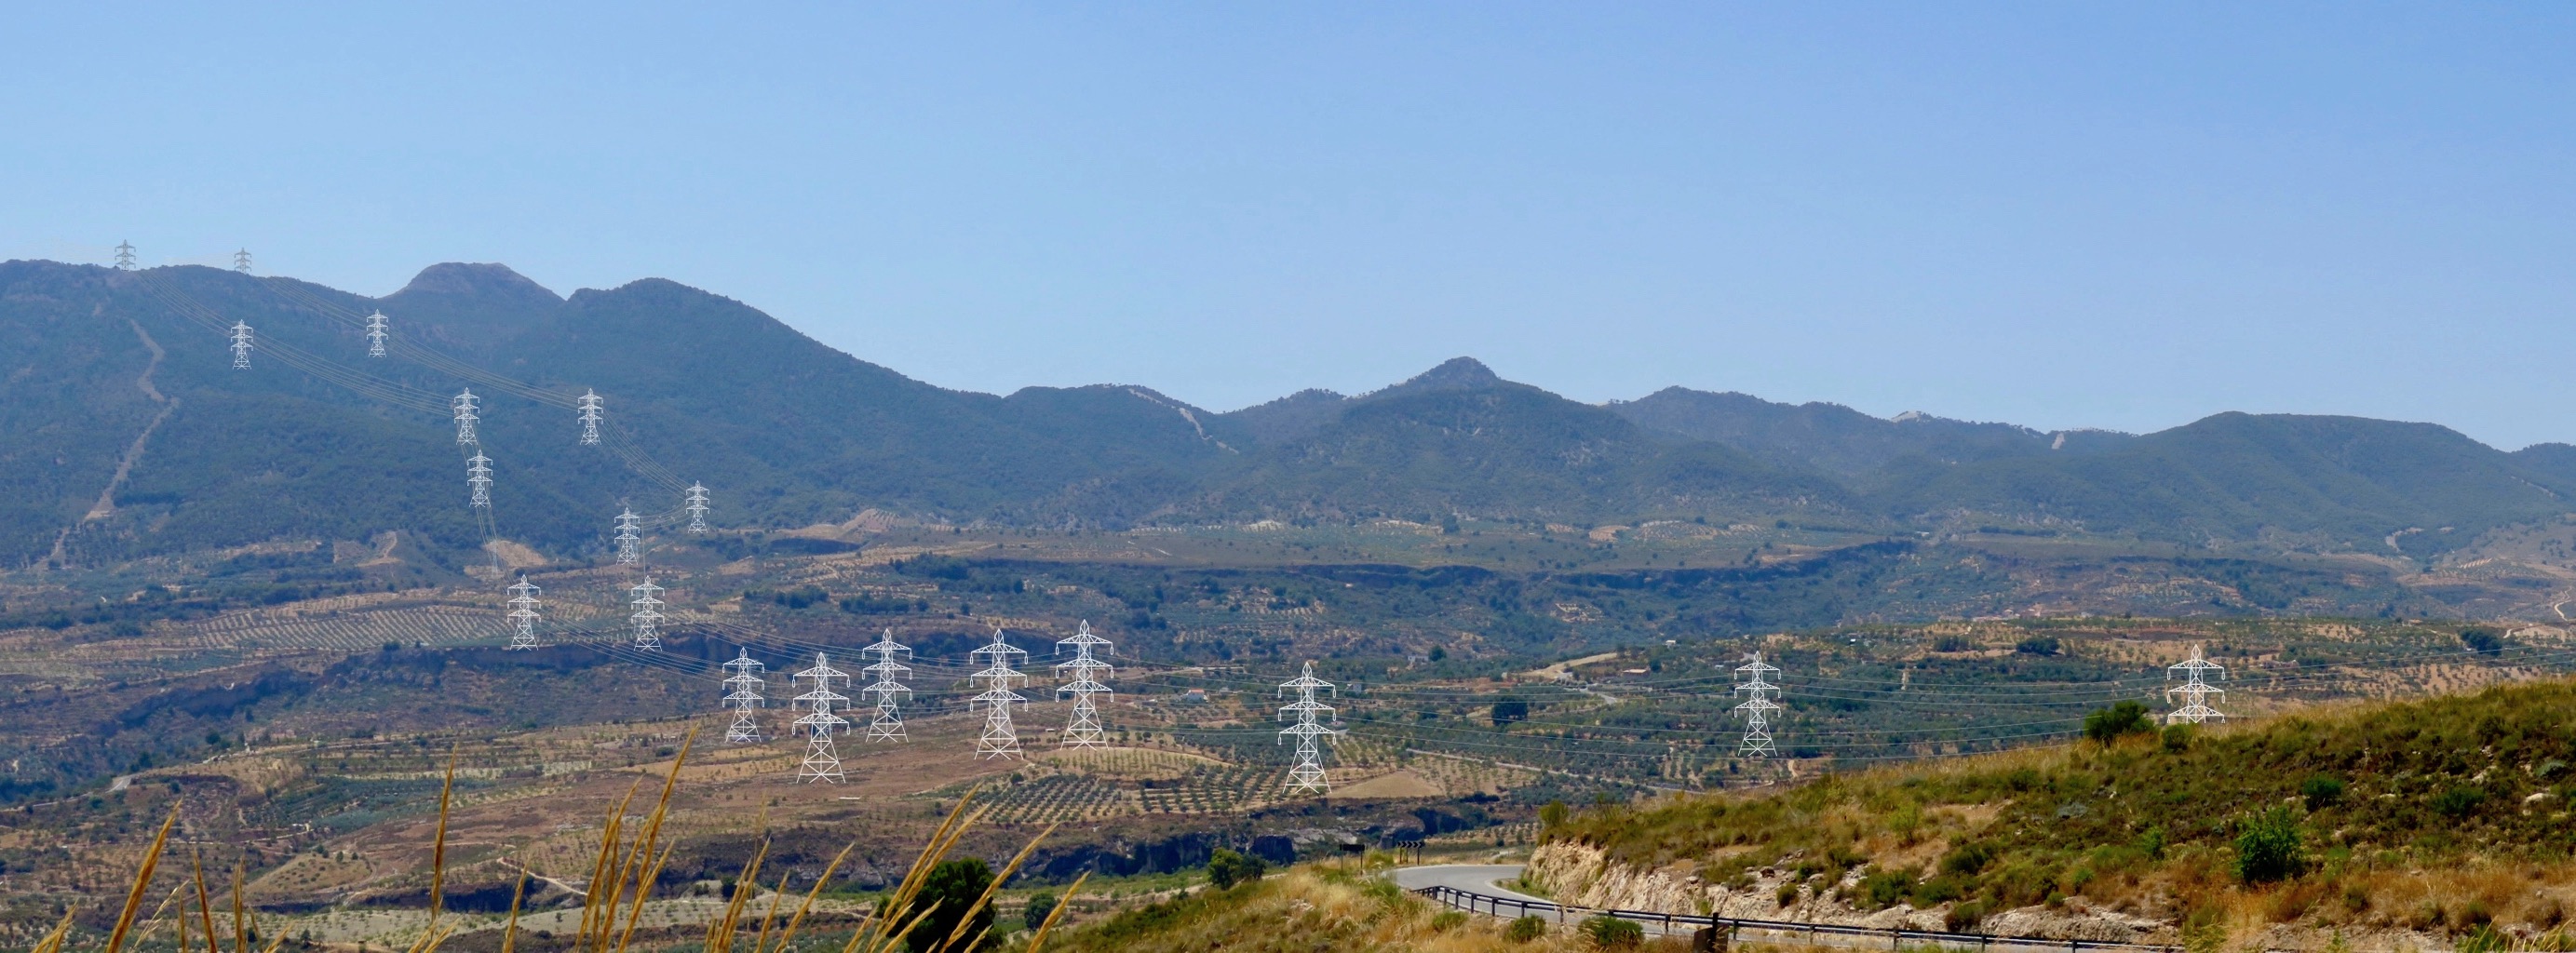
(1039, 906)
(949, 889)
(2482, 640)
(2106, 725)
(1510, 710)
(2038, 645)
(1226, 868)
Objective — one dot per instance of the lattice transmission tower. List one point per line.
(628, 550)
(743, 697)
(523, 614)
(465, 418)
(1757, 709)
(478, 474)
(241, 339)
(376, 334)
(1307, 776)
(1082, 730)
(124, 256)
(888, 724)
(1000, 738)
(697, 508)
(241, 261)
(2195, 690)
(822, 762)
(589, 416)
(647, 616)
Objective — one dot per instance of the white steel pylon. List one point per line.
(648, 615)
(627, 550)
(822, 762)
(888, 724)
(523, 614)
(465, 418)
(1307, 777)
(743, 697)
(697, 508)
(1000, 738)
(241, 344)
(2194, 691)
(376, 334)
(1083, 729)
(478, 474)
(589, 416)
(241, 261)
(124, 256)
(1757, 709)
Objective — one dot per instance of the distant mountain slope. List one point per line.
(1458, 440)
(789, 432)
(1838, 439)
(2309, 480)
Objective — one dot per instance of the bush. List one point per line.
(2268, 846)
(1526, 929)
(1968, 859)
(1953, 643)
(1226, 868)
(1883, 888)
(1510, 710)
(1554, 814)
(1964, 917)
(2177, 738)
(1787, 895)
(1611, 933)
(2106, 725)
(2482, 640)
(2038, 645)
(1447, 920)
(2322, 791)
(2459, 802)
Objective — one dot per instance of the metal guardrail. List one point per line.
(1896, 938)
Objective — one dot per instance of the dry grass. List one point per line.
(1333, 906)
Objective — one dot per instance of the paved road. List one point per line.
(1479, 878)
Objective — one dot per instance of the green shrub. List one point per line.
(2322, 791)
(1034, 916)
(1788, 894)
(2268, 846)
(946, 892)
(2106, 725)
(2459, 802)
(2177, 738)
(1525, 929)
(1611, 933)
(1226, 868)
(2038, 645)
(1883, 888)
(1964, 917)
(1969, 858)
(1448, 920)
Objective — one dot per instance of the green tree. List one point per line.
(946, 892)
(1036, 914)
(1226, 868)
(1510, 710)
(2108, 724)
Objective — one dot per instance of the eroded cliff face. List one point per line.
(1582, 874)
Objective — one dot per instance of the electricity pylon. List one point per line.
(627, 551)
(589, 416)
(1000, 738)
(648, 615)
(523, 613)
(697, 508)
(124, 256)
(1083, 729)
(464, 405)
(241, 345)
(478, 474)
(888, 724)
(822, 762)
(2194, 692)
(241, 261)
(745, 683)
(1757, 709)
(376, 334)
(1307, 777)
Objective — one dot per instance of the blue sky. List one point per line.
(2056, 214)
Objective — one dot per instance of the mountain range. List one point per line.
(789, 432)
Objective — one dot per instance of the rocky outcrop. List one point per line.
(1581, 874)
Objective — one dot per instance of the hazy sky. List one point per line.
(2063, 215)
